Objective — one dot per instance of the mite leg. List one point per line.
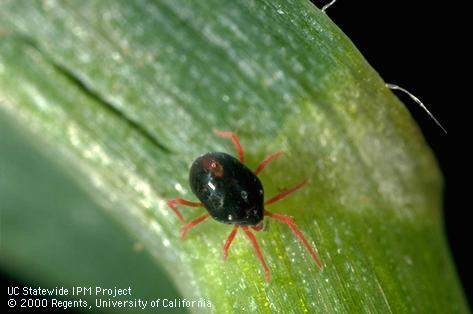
(172, 204)
(192, 224)
(267, 160)
(229, 241)
(258, 227)
(288, 220)
(285, 193)
(235, 141)
(253, 241)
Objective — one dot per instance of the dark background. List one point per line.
(408, 44)
(404, 42)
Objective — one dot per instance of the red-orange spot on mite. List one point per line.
(213, 166)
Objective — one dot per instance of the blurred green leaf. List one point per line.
(129, 91)
(52, 234)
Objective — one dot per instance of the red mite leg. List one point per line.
(172, 204)
(267, 160)
(192, 224)
(288, 220)
(258, 227)
(252, 238)
(235, 141)
(283, 194)
(229, 241)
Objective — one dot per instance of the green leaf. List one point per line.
(128, 92)
(52, 234)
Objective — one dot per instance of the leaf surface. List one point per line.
(129, 92)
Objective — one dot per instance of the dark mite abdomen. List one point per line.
(230, 192)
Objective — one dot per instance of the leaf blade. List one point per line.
(369, 167)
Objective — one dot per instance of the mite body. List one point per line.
(233, 194)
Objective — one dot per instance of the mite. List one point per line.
(233, 194)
